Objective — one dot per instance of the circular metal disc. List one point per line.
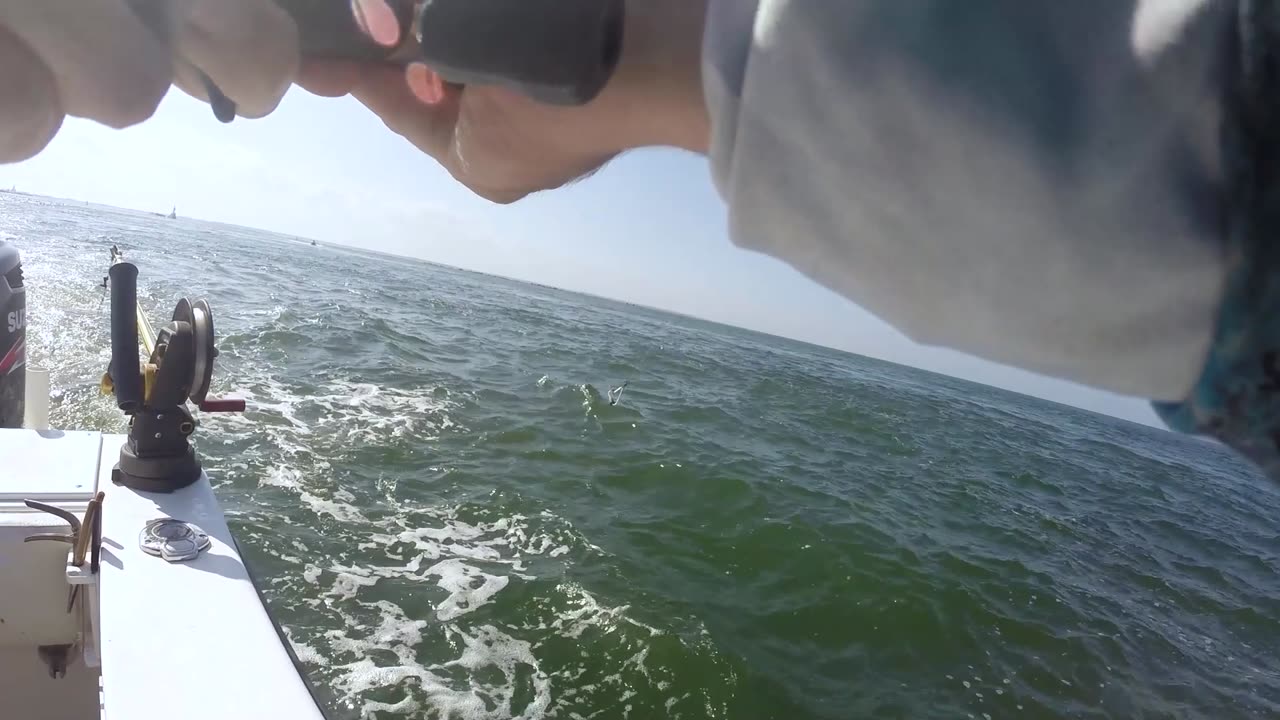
(202, 368)
(173, 540)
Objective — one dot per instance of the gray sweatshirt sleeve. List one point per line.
(1036, 182)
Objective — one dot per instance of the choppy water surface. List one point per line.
(452, 522)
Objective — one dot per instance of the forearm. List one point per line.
(1034, 183)
(655, 97)
(1037, 184)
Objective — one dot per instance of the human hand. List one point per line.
(113, 60)
(503, 145)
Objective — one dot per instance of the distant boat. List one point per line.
(173, 214)
(313, 243)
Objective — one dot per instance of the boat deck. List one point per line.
(185, 639)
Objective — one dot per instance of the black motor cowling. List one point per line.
(13, 335)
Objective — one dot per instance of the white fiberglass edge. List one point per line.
(190, 639)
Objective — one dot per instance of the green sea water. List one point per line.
(451, 521)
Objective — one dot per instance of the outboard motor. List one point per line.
(13, 335)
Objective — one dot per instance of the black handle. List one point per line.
(126, 378)
(560, 52)
(556, 51)
(327, 29)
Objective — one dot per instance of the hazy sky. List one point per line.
(649, 229)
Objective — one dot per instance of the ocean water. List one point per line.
(452, 522)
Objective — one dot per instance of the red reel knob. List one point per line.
(227, 405)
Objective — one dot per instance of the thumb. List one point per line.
(430, 128)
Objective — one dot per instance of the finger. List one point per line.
(436, 129)
(378, 21)
(189, 80)
(425, 85)
(248, 48)
(329, 78)
(107, 65)
(29, 111)
(429, 128)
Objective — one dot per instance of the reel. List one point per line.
(203, 352)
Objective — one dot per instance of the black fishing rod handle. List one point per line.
(327, 29)
(561, 52)
(126, 377)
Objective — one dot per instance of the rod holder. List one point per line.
(156, 456)
(36, 415)
(126, 377)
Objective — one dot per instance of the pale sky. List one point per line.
(649, 229)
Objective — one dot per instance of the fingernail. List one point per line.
(358, 15)
(425, 84)
(377, 21)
